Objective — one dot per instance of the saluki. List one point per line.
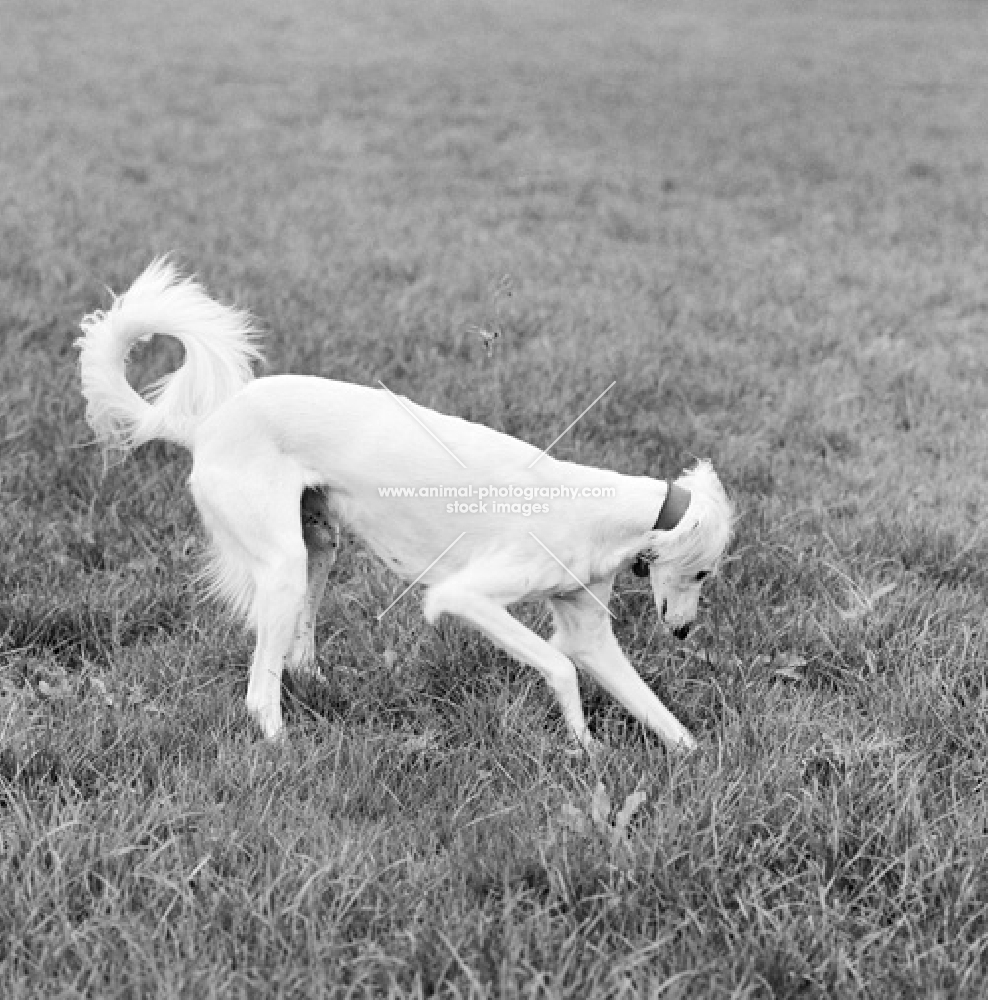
(281, 461)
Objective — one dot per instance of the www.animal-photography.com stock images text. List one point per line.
(492, 499)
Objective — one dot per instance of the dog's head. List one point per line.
(679, 558)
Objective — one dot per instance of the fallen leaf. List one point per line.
(427, 740)
(51, 691)
(790, 660)
(790, 666)
(631, 805)
(572, 818)
(100, 688)
(867, 605)
(790, 673)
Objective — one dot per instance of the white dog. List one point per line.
(280, 462)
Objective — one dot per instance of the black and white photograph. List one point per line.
(492, 499)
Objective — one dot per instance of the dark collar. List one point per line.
(676, 502)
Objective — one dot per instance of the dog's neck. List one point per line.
(673, 508)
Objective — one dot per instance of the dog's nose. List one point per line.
(682, 632)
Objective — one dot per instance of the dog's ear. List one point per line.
(674, 507)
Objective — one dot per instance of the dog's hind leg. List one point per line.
(322, 541)
(252, 510)
(583, 632)
(456, 596)
(280, 596)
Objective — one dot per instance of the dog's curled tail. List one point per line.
(219, 344)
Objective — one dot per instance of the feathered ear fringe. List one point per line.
(704, 532)
(702, 479)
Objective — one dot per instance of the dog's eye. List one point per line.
(702, 575)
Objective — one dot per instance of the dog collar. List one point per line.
(676, 501)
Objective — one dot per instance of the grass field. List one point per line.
(766, 221)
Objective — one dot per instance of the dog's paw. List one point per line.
(268, 719)
(685, 747)
(307, 670)
(301, 661)
(273, 735)
(278, 738)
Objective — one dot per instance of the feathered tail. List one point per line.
(219, 344)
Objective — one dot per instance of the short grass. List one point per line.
(767, 222)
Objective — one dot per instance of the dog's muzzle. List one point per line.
(680, 633)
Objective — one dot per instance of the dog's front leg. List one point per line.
(584, 633)
(322, 542)
(487, 615)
